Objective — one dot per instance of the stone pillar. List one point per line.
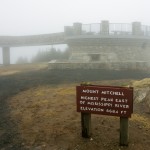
(6, 56)
(104, 27)
(136, 28)
(68, 30)
(77, 28)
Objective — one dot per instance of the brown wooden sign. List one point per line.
(105, 100)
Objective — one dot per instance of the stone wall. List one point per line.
(109, 53)
(108, 65)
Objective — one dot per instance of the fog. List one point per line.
(32, 17)
(29, 52)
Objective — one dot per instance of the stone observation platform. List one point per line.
(110, 45)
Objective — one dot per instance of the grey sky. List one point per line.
(27, 17)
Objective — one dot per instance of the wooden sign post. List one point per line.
(124, 131)
(105, 100)
(86, 125)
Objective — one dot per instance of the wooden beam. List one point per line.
(86, 125)
(123, 131)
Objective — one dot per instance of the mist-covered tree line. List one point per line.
(46, 56)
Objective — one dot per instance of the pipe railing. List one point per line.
(110, 29)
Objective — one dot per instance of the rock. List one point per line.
(140, 94)
(140, 127)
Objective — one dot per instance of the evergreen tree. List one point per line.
(22, 60)
(51, 54)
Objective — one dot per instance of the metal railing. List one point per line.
(113, 29)
(91, 28)
(145, 30)
(120, 28)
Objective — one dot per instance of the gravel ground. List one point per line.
(22, 80)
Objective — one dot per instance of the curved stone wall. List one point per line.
(109, 53)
